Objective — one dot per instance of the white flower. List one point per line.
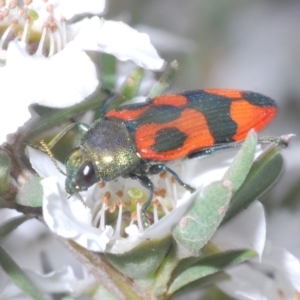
(43, 58)
(111, 220)
(237, 234)
(59, 281)
(274, 274)
(36, 241)
(121, 40)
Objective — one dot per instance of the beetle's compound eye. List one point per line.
(86, 175)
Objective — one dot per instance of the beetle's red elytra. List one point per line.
(173, 126)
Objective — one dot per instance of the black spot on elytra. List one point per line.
(258, 99)
(216, 110)
(155, 115)
(168, 139)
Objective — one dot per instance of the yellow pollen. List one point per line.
(163, 174)
(157, 204)
(107, 195)
(13, 4)
(5, 12)
(50, 8)
(101, 184)
(119, 193)
(134, 216)
(21, 11)
(173, 180)
(161, 192)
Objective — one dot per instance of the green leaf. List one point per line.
(108, 71)
(5, 164)
(100, 292)
(132, 84)
(265, 171)
(242, 162)
(11, 225)
(165, 80)
(203, 285)
(203, 218)
(42, 111)
(208, 265)
(18, 276)
(31, 193)
(164, 273)
(143, 260)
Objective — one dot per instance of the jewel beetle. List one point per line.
(136, 140)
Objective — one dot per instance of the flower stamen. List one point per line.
(119, 193)
(112, 207)
(7, 32)
(4, 14)
(52, 46)
(63, 32)
(13, 4)
(161, 202)
(57, 40)
(101, 214)
(40, 48)
(101, 184)
(25, 31)
(138, 216)
(174, 188)
(119, 220)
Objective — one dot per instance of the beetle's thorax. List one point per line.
(111, 148)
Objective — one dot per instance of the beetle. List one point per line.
(136, 140)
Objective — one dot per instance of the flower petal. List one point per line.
(237, 234)
(43, 164)
(71, 77)
(285, 263)
(68, 218)
(248, 283)
(63, 80)
(70, 8)
(120, 40)
(58, 281)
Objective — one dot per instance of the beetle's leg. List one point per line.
(111, 96)
(281, 141)
(147, 183)
(155, 169)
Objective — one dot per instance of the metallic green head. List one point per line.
(105, 152)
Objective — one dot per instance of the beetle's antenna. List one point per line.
(50, 154)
